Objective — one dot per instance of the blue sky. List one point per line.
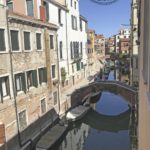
(106, 20)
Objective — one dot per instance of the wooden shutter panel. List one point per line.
(2, 40)
(45, 74)
(24, 87)
(1, 93)
(40, 79)
(34, 78)
(72, 21)
(15, 76)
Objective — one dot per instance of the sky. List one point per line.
(107, 19)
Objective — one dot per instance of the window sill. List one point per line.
(20, 92)
(6, 98)
(31, 88)
(39, 50)
(27, 51)
(4, 52)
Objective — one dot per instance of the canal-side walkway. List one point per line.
(49, 139)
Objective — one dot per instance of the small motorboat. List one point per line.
(77, 113)
(95, 97)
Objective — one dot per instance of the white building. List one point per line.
(124, 33)
(77, 42)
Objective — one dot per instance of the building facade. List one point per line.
(134, 43)
(124, 33)
(144, 76)
(124, 46)
(40, 59)
(28, 66)
(91, 53)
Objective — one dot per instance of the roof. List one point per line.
(83, 18)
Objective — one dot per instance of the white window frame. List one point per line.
(7, 97)
(42, 45)
(19, 38)
(31, 41)
(27, 121)
(55, 72)
(6, 40)
(41, 107)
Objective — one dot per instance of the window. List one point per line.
(71, 3)
(46, 10)
(42, 75)
(27, 45)
(74, 22)
(22, 120)
(60, 50)
(38, 41)
(71, 50)
(2, 40)
(81, 25)
(43, 106)
(10, 5)
(29, 7)
(14, 40)
(20, 82)
(81, 48)
(59, 16)
(51, 42)
(32, 78)
(78, 66)
(4, 87)
(55, 97)
(53, 71)
(75, 5)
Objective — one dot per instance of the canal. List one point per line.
(105, 127)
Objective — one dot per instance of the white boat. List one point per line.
(77, 113)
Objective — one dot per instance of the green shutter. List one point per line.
(23, 78)
(45, 74)
(15, 84)
(1, 90)
(34, 78)
(40, 79)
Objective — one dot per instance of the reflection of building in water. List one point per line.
(75, 138)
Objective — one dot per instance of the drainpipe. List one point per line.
(58, 71)
(67, 42)
(13, 85)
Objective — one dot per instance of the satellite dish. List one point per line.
(104, 2)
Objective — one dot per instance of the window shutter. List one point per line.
(2, 40)
(71, 50)
(14, 40)
(45, 74)
(72, 21)
(34, 78)
(1, 93)
(40, 79)
(24, 87)
(15, 76)
(27, 41)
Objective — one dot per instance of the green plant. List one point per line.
(63, 74)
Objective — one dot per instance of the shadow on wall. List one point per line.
(32, 133)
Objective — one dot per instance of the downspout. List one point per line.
(67, 41)
(58, 71)
(13, 86)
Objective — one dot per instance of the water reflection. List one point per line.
(105, 128)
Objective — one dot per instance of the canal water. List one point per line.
(105, 127)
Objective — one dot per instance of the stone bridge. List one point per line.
(127, 92)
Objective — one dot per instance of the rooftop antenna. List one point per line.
(104, 2)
